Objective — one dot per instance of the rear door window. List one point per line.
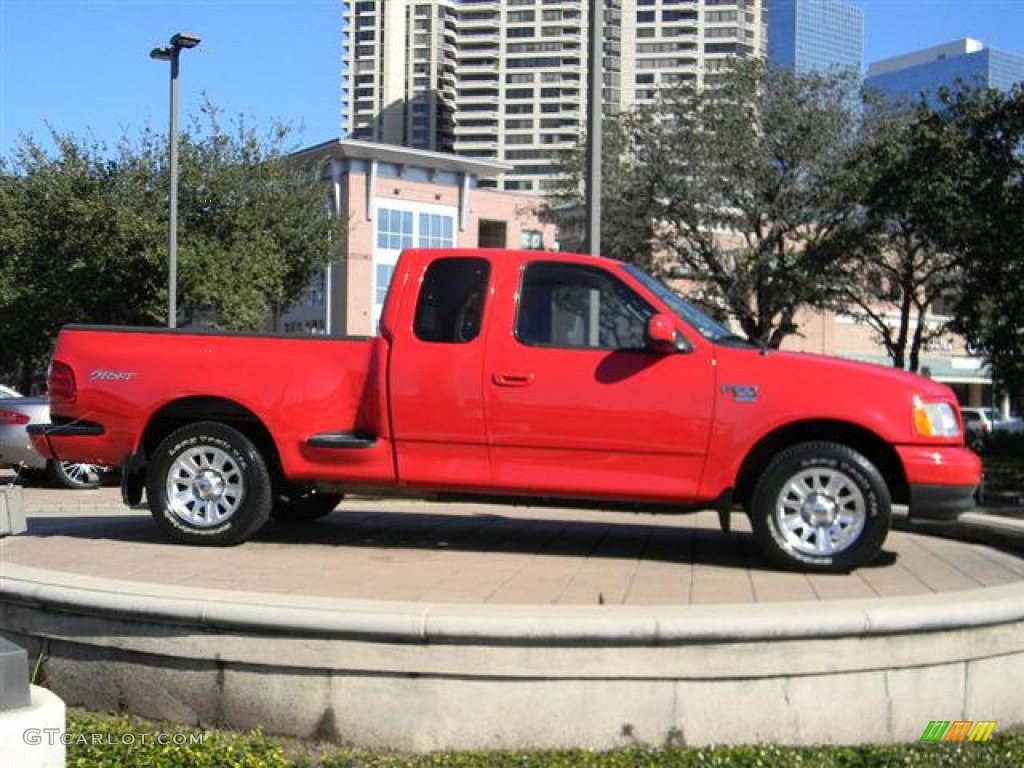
(450, 307)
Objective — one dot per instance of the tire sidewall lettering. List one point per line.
(214, 442)
(175, 521)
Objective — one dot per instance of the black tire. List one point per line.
(207, 484)
(295, 504)
(76, 475)
(820, 507)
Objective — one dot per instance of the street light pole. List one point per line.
(172, 53)
(595, 86)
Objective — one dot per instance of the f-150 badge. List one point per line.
(744, 393)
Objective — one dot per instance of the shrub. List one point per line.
(107, 742)
(119, 747)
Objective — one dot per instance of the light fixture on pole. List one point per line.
(171, 53)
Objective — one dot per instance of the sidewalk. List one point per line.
(483, 554)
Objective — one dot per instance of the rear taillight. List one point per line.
(60, 383)
(10, 418)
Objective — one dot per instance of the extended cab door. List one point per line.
(435, 375)
(575, 403)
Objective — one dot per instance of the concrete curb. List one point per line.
(509, 625)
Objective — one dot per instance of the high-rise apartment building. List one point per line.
(815, 35)
(508, 80)
(967, 61)
(666, 41)
(399, 85)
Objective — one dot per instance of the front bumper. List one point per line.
(941, 502)
(942, 480)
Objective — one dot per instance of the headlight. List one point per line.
(935, 419)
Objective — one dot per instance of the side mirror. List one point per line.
(661, 336)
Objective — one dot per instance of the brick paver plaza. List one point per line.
(479, 553)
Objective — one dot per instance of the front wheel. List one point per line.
(208, 484)
(821, 507)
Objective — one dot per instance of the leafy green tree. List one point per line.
(987, 225)
(11, 235)
(80, 245)
(253, 227)
(83, 234)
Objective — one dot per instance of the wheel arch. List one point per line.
(862, 440)
(190, 409)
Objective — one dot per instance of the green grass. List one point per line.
(120, 746)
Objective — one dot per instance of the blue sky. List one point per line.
(83, 66)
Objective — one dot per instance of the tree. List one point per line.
(904, 174)
(627, 229)
(83, 234)
(254, 229)
(987, 225)
(80, 246)
(734, 184)
(11, 236)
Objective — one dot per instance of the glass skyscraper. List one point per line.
(815, 35)
(922, 73)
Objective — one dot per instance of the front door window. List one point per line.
(575, 306)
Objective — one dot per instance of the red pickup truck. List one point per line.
(512, 375)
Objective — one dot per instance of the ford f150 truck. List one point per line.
(512, 375)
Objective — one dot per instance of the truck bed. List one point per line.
(310, 392)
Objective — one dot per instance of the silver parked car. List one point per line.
(16, 450)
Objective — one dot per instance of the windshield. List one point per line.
(708, 328)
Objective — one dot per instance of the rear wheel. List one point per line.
(208, 484)
(821, 507)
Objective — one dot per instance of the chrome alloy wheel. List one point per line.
(82, 474)
(820, 512)
(205, 486)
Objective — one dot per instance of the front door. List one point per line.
(575, 404)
